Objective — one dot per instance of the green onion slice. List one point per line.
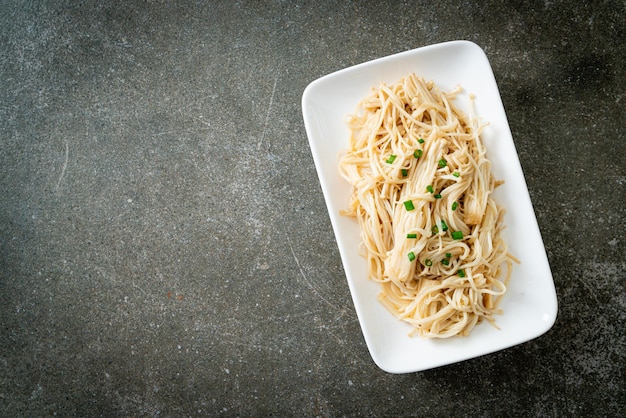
(411, 256)
(437, 196)
(405, 172)
(444, 226)
(457, 235)
(391, 159)
(411, 235)
(409, 205)
(461, 273)
(448, 255)
(418, 153)
(421, 141)
(435, 229)
(430, 189)
(445, 262)
(443, 163)
(428, 262)
(455, 205)
(456, 174)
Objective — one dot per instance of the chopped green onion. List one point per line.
(411, 256)
(418, 153)
(457, 235)
(430, 189)
(448, 255)
(409, 205)
(411, 235)
(444, 226)
(442, 163)
(405, 172)
(461, 273)
(421, 141)
(437, 196)
(445, 262)
(456, 174)
(435, 229)
(391, 159)
(455, 205)
(428, 262)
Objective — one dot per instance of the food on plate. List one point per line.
(422, 195)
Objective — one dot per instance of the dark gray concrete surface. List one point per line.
(165, 248)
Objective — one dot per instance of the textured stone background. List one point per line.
(165, 248)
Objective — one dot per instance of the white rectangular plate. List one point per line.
(530, 305)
